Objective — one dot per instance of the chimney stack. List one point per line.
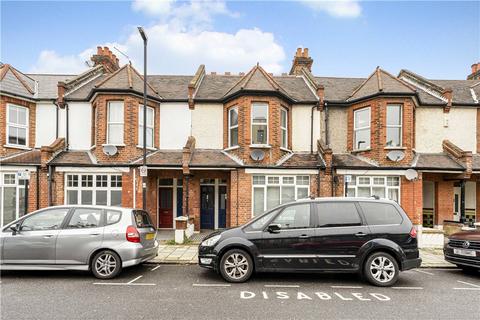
(106, 58)
(301, 60)
(475, 75)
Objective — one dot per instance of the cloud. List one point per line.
(180, 40)
(152, 7)
(336, 8)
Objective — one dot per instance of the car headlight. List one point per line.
(445, 240)
(211, 241)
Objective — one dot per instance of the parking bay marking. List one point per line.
(472, 286)
(407, 288)
(282, 286)
(210, 285)
(153, 269)
(425, 272)
(130, 283)
(346, 287)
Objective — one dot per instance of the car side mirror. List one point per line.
(15, 228)
(274, 228)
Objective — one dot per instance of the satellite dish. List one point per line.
(411, 174)
(110, 150)
(257, 155)
(396, 155)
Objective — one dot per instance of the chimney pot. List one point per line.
(241, 74)
(475, 67)
(213, 73)
(299, 52)
(227, 73)
(305, 52)
(284, 73)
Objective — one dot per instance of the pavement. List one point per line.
(188, 254)
(189, 292)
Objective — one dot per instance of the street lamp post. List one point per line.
(144, 179)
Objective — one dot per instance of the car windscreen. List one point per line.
(259, 223)
(142, 219)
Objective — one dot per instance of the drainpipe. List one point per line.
(237, 195)
(332, 181)
(188, 196)
(462, 202)
(37, 204)
(49, 185)
(327, 135)
(67, 127)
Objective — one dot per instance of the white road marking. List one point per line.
(210, 285)
(470, 284)
(123, 284)
(346, 287)
(282, 286)
(408, 288)
(421, 271)
(134, 279)
(474, 289)
(155, 268)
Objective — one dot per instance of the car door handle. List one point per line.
(94, 234)
(48, 236)
(304, 236)
(360, 234)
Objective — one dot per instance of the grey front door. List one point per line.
(82, 235)
(35, 242)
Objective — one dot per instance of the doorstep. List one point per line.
(188, 254)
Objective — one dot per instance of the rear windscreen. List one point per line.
(142, 219)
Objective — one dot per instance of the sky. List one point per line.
(436, 39)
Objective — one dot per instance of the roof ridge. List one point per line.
(129, 76)
(361, 85)
(110, 76)
(399, 80)
(238, 82)
(19, 78)
(148, 84)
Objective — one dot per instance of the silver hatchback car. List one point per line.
(100, 239)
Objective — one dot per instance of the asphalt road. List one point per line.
(189, 292)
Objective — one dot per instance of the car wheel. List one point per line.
(381, 269)
(236, 266)
(106, 264)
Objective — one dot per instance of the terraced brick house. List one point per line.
(223, 147)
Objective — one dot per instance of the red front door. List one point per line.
(165, 208)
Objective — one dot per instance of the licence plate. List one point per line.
(464, 252)
(150, 236)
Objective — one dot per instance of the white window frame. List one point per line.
(394, 125)
(371, 185)
(115, 123)
(149, 126)
(280, 184)
(94, 187)
(355, 129)
(253, 123)
(230, 127)
(18, 187)
(284, 129)
(18, 126)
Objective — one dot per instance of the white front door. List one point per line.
(456, 203)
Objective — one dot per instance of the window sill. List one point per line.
(148, 148)
(232, 148)
(285, 149)
(16, 146)
(361, 150)
(260, 146)
(395, 148)
(113, 144)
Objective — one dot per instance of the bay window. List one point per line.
(380, 186)
(150, 126)
(115, 123)
(361, 128)
(260, 123)
(233, 127)
(17, 125)
(284, 127)
(394, 125)
(270, 191)
(94, 189)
